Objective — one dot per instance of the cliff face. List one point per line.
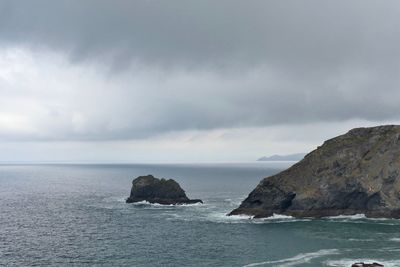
(162, 191)
(358, 172)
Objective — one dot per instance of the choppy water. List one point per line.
(63, 215)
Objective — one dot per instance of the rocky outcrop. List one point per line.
(162, 191)
(355, 173)
(362, 264)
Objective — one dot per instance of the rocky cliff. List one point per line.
(162, 191)
(358, 172)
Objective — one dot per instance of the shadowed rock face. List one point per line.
(160, 191)
(354, 173)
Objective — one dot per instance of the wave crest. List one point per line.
(299, 258)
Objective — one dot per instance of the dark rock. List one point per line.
(355, 173)
(362, 264)
(162, 191)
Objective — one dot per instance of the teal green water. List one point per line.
(63, 215)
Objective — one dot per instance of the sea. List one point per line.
(76, 215)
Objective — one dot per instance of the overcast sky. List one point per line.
(141, 81)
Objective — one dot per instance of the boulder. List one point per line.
(362, 264)
(162, 191)
(355, 173)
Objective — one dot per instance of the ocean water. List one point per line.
(76, 215)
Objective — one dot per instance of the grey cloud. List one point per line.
(291, 35)
(222, 63)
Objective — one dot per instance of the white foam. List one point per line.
(192, 205)
(220, 217)
(349, 217)
(146, 203)
(279, 217)
(300, 258)
(395, 239)
(223, 218)
(361, 218)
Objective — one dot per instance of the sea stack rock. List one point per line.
(355, 173)
(162, 191)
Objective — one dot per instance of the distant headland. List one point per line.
(289, 157)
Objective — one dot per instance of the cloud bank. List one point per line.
(133, 70)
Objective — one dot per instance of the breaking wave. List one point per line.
(298, 259)
(146, 203)
(348, 217)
